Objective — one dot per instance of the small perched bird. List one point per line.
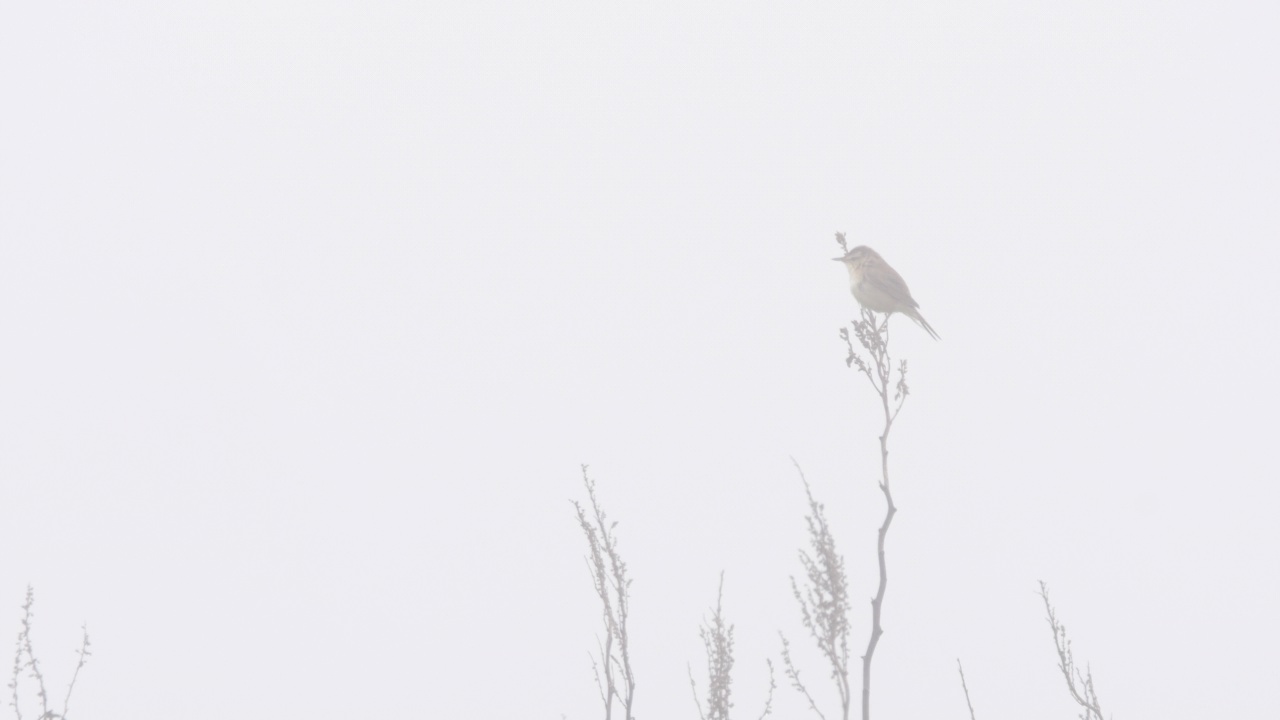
(880, 288)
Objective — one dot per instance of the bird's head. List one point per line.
(856, 255)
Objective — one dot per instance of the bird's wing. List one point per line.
(891, 283)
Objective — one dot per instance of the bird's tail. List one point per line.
(915, 315)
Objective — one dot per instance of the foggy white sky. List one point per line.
(311, 311)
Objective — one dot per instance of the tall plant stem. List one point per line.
(874, 337)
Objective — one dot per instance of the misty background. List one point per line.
(311, 312)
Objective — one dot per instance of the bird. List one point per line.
(878, 287)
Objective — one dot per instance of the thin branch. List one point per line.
(693, 685)
(773, 685)
(82, 656)
(25, 660)
(824, 603)
(717, 639)
(595, 668)
(17, 667)
(966, 690)
(793, 675)
(612, 586)
(873, 335)
(1080, 685)
(31, 664)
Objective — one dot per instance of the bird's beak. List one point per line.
(839, 259)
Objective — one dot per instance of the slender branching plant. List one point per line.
(26, 662)
(872, 332)
(613, 672)
(773, 685)
(717, 640)
(1079, 684)
(824, 606)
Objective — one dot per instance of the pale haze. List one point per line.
(311, 313)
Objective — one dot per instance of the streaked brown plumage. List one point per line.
(880, 288)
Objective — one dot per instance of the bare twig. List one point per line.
(18, 665)
(609, 576)
(824, 602)
(965, 685)
(82, 656)
(793, 675)
(1079, 684)
(25, 659)
(693, 687)
(31, 664)
(717, 639)
(875, 339)
(606, 689)
(773, 685)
